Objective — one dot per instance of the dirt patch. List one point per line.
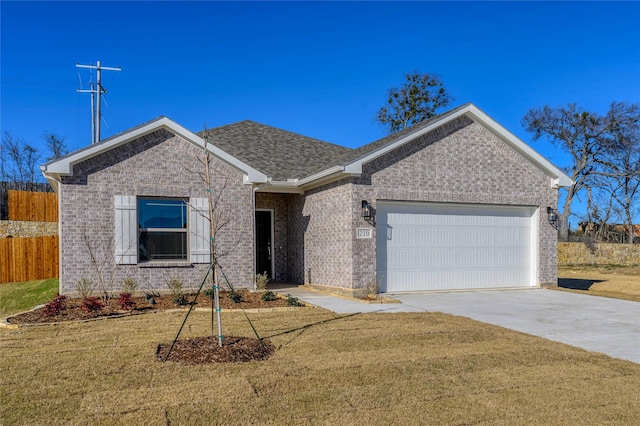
(73, 311)
(204, 350)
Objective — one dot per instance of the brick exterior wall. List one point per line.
(460, 162)
(321, 227)
(157, 164)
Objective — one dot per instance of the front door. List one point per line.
(264, 243)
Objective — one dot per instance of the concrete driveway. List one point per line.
(598, 324)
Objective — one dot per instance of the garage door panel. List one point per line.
(424, 246)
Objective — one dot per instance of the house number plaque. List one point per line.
(364, 233)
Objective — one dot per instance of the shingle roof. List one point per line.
(277, 153)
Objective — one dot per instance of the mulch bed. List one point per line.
(204, 350)
(199, 350)
(73, 311)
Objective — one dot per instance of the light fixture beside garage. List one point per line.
(366, 209)
(552, 216)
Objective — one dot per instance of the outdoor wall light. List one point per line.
(366, 209)
(552, 216)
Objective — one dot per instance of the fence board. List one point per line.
(25, 259)
(33, 206)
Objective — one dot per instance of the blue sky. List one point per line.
(319, 69)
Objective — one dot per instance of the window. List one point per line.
(162, 229)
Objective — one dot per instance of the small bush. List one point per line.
(175, 285)
(235, 296)
(56, 306)
(129, 285)
(262, 280)
(85, 287)
(293, 301)
(91, 304)
(180, 299)
(126, 302)
(269, 296)
(209, 293)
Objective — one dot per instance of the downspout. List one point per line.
(253, 208)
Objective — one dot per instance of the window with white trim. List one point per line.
(162, 229)
(148, 229)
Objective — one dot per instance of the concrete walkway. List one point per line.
(598, 324)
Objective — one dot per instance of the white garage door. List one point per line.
(425, 246)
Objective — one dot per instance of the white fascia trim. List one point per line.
(280, 187)
(320, 175)
(559, 179)
(299, 186)
(64, 166)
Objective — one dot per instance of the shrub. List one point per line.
(235, 296)
(175, 285)
(180, 299)
(56, 306)
(126, 302)
(293, 301)
(261, 281)
(91, 304)
(269, 296)
(209, 293)
(129, 285)
(85, 287)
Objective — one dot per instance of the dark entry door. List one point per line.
(264, 245)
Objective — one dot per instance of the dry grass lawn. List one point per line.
(619, 283)
(425, 368)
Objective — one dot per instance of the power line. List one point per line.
(96, 91)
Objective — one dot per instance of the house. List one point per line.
(456, 202)
(611, 233)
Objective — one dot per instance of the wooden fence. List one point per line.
(24, 259)
(33, 206)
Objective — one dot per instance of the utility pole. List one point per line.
(96, 90)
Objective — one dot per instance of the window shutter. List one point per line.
(126, 235)
(199, 230)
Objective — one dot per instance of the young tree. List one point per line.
(584, 135)
(416, 101)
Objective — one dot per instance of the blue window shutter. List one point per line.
(126, 230)
(199, 230)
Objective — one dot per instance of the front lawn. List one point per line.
(414, 368)
(22, 296)
(618, 283)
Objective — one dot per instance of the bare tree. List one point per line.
(619, 170)
(19, 160)
(99, 253)
(416, 101)
(55, 144)
(584, 135)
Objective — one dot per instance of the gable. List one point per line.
(55, 170)
(459, 157)
(353, 162)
